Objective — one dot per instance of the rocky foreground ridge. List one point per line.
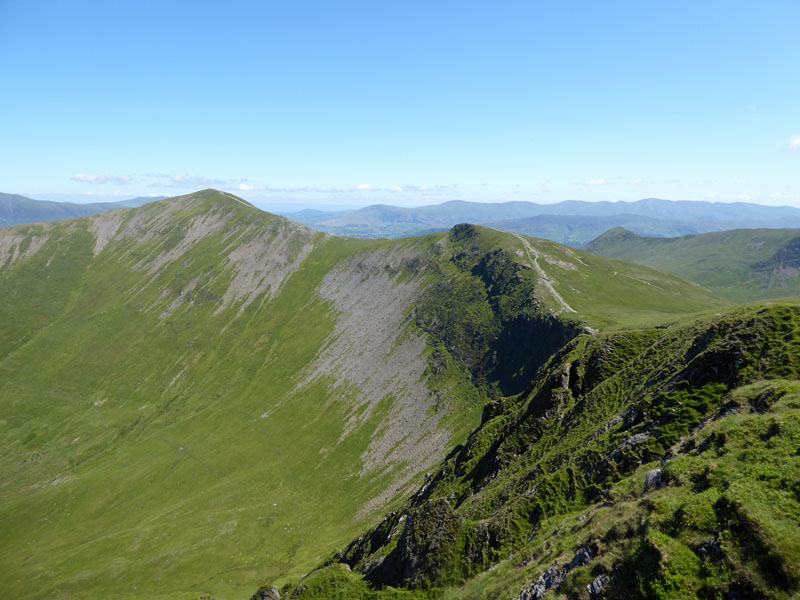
(656, 463)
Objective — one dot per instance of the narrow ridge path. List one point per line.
(533, 257)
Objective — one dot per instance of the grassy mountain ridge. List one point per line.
(654, 463)
(198, 396)
(741, 265)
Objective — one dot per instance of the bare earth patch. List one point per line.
(263, 264)
(105, 226)
(12, 239)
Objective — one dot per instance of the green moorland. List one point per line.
(197, 397)
(651, 463)
(741, 265)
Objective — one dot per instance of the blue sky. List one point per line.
(353, 103)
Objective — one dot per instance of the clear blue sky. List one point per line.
(332, 103)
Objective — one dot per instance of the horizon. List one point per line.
(290, 208)
(365, 104)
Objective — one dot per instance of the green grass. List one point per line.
(715, 403)
(611, 293)
(741, 265)
(156, 458)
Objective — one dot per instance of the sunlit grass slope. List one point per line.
(652, 463)
(197, 397)
(740, 265)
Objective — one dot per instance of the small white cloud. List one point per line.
(423, 187)
(195, 181)
(364, 187)
(397, 188)
(86, 178)
(246, 187)
(636, 181)
(794, 143)
(595, 182)
(101, 179)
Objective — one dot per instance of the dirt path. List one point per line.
(533, 257)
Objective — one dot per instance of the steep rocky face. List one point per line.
(559, 473)
(503, 344)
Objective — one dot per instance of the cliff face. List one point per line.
(657, 463)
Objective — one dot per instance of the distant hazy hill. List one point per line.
(576, 230)
(741, 265)
(571, 222)
(18, 210)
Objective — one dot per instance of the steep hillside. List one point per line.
(740, 265)
(653, 463)
(198, 396)
(17, 210)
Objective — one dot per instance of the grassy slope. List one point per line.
(139, 486)
(119, 482)
(726, 263)
(714, 402)
(135, 457)
(609, 293)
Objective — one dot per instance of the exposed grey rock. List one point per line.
(267, 593)
(597, 586)
(710, 550)
(425, 547)
(583, 557)
(633, 440)
(555, 575)
(653, 480)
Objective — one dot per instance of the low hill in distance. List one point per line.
(571, 222)
(198, 397)
(740, 265)
(576, 230)
(17, 210)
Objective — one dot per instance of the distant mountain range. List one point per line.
(18, 210)
(571, 222)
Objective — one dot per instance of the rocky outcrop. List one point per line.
(267, 593)
(556, 575)
(428, 548)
